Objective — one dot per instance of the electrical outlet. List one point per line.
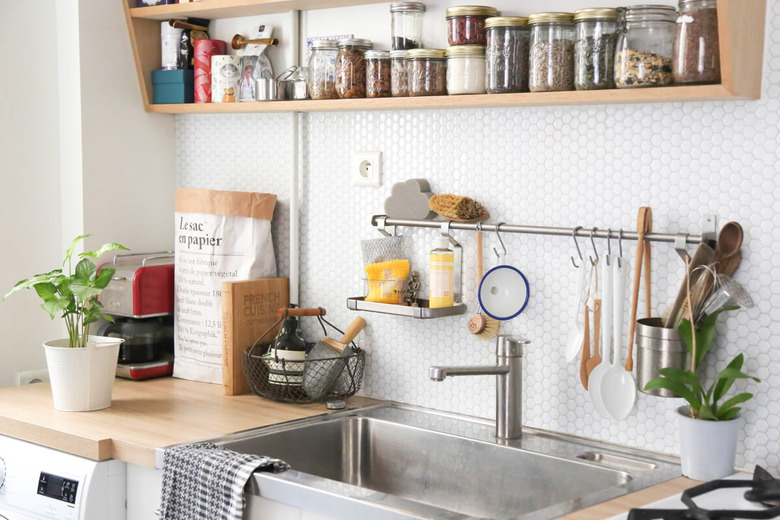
(367, 168)
(32, 376)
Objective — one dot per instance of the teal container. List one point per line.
(173, 86)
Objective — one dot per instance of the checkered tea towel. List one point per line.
(204, 481)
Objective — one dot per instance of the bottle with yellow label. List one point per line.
(442, 268)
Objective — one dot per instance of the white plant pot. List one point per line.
(707, 448)
(82, 379)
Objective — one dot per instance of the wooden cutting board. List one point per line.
(248, 310)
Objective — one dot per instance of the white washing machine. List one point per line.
(38, 483)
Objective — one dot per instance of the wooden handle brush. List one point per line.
(484, 327)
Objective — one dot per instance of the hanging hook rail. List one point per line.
(668, 238)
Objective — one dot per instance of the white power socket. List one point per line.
(367, 168)
(32, 376)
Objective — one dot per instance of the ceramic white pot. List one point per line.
(82, 379)
(707, 448)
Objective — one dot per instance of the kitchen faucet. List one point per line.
(509, 388)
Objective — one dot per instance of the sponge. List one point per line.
(386, 281)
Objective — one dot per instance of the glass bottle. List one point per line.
(551, 59)
(465, 69)
(645, 45)
(594, 48)
(507, 54)
(378, 74)
(286, 355)
(322, 69)
(399, 75)
(406, 25)
(696, 57)
(351, 68)
(466, 24)
(427, 74)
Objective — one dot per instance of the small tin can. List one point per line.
(225, 76)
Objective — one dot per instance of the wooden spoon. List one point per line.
(729, 243)
(595, 360)
(641, 224)
(585, 349)
(648, 274)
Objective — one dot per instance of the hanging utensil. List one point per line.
(576, 331)
(481, 325)
(503, 292)
(595, 390)
(642, 223)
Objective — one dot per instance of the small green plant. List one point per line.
(73, 296)
(704, 403)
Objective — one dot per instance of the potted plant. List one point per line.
(81, 367)
(708, 424)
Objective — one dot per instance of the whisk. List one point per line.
(728, 291)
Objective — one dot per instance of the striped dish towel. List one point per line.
(205, 481)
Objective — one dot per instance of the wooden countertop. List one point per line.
(143, 416)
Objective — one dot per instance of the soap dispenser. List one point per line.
(441, 274)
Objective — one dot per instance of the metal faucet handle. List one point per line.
(510, 346)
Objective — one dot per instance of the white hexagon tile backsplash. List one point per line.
(567, 166)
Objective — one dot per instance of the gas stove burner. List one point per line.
(763, 489)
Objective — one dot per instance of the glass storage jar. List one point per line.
(322, 69)
(399, 69)
(466, 24)
(594, 48)
(406, 25)
(551, 59)
(643, 55)
(427, 72)
(351, 68)
(378, 74)
(507, 54)
(465, 69)
(696, 57)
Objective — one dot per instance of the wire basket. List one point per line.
(303, 381)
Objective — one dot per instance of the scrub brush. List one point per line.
(484, 327)
(455, 207)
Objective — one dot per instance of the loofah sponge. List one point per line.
(455, 207)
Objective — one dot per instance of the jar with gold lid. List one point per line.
(465, 69)
(466, 24)
(507, 54)
(427, 72)
(594, 48)
(551, 59)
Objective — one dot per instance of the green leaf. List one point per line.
(47, 291)
(84, 290)
(678, 388)
(85, 270)
(706, 413)
(69, 252)
(103, 278)
(724, 384)
(734, 401)
(729, 414)
(105, 248)
(29, 283)
(684, 376)
(55, 306)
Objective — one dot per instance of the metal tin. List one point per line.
(267, 89)
(658, 347)
(225, 75)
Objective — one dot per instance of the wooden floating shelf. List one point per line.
(640, 95)
(740, 25)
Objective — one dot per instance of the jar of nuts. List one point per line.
(398, 79)
(551, 62)
(378, 74)
(643, 54)
(427, 72)
(696, 44)
(466, 24)
(322, 69)
(351, 68)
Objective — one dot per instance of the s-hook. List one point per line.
(577, 245)
(498, 234)
(620, 247)
(380, 226)
(609, 244)
(593, 243)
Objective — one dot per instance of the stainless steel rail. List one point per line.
(381, 221)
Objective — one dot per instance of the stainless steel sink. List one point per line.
(397, 461)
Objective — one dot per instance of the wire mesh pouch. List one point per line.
(312, 380)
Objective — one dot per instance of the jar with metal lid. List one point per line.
(465, 69)
(551, 59)
(427, 72)
(643, 56)
(322, 69)
(351, 68)
(398, 75)
(406, 25)
(594, 48)
(696, 57)
(378, 74)
(507, 54)
(466, 24)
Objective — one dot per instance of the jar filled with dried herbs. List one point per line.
(351, 68)
(696, 45)
(594, 48)
(507, 54)
(322, 69)
(551, 59)
(643, 56)
(427, 72)
(378, 74)
(398, 79)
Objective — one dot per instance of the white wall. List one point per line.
(29, 178)
(553, 166)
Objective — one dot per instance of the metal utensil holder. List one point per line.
(273, 377)
(657, 348)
